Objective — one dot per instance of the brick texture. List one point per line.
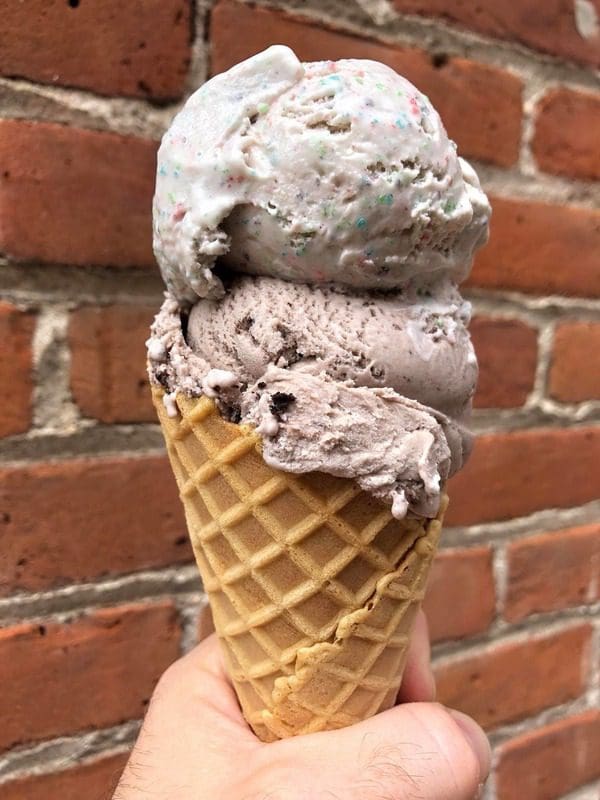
(75, 196)
(510, 681)
(75, 231)
(86, 518)
(95, 780)
(504, 381)
(547, 763)
(108, 363)
(549, 26)
(541, 249)
(139, 48)
(553, 571)
(575, 365)
(514, 474)
(16, 331)
(96, 671)
(480, 105)
(460, 599)
(566, 134)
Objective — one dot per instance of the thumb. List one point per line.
(414, 750)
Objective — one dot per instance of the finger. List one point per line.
(193, 732)
(208, 657)
(198, 683)
(414, 750)
(418, 682)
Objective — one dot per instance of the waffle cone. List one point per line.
(313, 585)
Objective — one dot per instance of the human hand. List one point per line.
(195, 744)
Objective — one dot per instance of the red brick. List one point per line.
(460, 599)
(81, 519)
(480, 105)
(545, 764)
(510, 681)
(566, 134)
(16, 332)
(95, 780)
(553, 571)
(96, 671)
(108, 363)
(514, 474)
(504, 381)
(548, 26)
(140, 48)
(75, 196)
(540, 248)
(575, 365)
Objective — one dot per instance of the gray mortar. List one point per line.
(549, 519)
(380, 12)
(66, 751)
(435, 35)
(90, 437)
(181, 582)
(53, 407)
(589, 792)
(586, 19)
(34, 284)
(25, 100)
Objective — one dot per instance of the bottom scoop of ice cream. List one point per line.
(413, 341)
(375, 388)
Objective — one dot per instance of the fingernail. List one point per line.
(477, 739)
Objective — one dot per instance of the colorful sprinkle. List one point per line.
(179, 213)
(361, 223)
(449, 206)
(385, 199)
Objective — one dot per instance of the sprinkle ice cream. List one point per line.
(312, 223)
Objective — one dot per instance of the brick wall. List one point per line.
(97, 591)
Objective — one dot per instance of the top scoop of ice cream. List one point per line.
(321, 172)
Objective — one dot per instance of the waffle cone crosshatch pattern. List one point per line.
(313, 584)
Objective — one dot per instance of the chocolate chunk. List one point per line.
(245, 323)
(185, 318)
(163, 378)
(232, 413)
(280, 402)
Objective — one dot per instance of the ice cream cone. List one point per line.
(313, 584)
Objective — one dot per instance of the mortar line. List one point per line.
(501, 631)
(66, 603)
(533, 723)
(590, 791)
(62, 752)
(423, 32)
